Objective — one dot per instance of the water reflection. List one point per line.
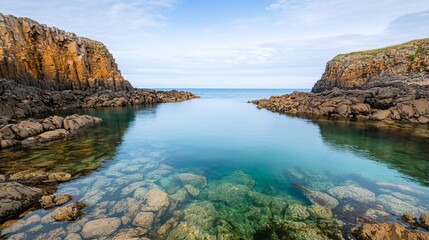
(397, 148)
(82, 151)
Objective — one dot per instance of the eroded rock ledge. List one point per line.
(33, 131)
(407, 105)
(19, 101)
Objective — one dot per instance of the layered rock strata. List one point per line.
(44, 68)
(47, 57)
(405, 64)
(389, 84)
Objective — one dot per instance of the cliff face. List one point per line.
(405, 64)
(46, 57)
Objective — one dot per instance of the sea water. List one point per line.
(246, 168)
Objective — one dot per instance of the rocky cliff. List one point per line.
(404, 64)
(52, 59)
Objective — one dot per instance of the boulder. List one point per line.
(192, 179)
(54, 200)
(144, 220)
(53, 135)
(68, 213)
(352, 192)
(101, 227)
(424, 220)
(16, 198)
(59, 176)
(155, 200)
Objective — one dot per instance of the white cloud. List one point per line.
(285, 44)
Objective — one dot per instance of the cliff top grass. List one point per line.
(416, 45)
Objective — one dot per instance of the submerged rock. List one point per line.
(192, 179)
(296, 212)
(320, 198)
(353, 192)
(387, 231)
(155, 200)
(101, 227)
(144, 220)
(68, 213)
(397, 206)
(231, 194)
(54, 200)
(15, 198)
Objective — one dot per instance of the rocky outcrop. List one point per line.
(44, 69)
(389, 84)
(403, 65)
(387, 231)
(45, 130)
(49, 58)
(409, 105)
(15, 198)
(19, 101)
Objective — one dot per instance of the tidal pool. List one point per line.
(219, 168)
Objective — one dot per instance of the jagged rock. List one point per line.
(352, 192)
(101, 227)
(407, 65)
(424, 220)
(410, 219)
(365, 85)
(16, 198)
(387, 231)
(59, 176)
(68, 213)
(61, 61)
(54, 200)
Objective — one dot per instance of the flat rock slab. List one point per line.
(101, 227)
(15, 198)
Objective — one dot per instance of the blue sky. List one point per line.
(230, 43)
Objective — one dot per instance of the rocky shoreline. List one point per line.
(388, 103)
(20, 101)
(31, 131)
(388, 84)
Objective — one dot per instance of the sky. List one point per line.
(230, 43)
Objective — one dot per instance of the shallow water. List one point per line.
(251, 159)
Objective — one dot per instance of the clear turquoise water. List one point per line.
(218, 136)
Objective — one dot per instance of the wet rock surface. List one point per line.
(151, 200)
(389, 84)
(15, 198)
(20, 101)
(51, 201)
(387, 103)
(68, 213)
(101, 227)
(30, 132)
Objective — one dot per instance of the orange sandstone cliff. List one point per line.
(49, 58)
(404, 64)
